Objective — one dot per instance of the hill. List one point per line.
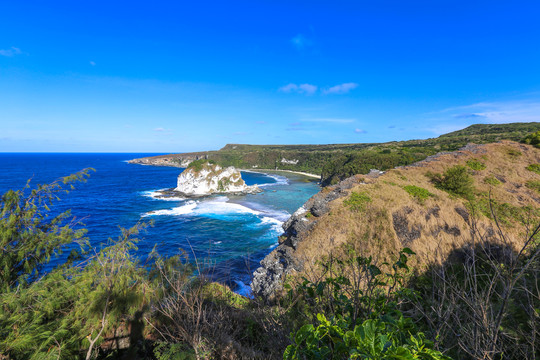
(379, 214)
(335, 162)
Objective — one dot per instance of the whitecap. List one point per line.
(281, 215)
(280, 180)
(221, 206)
(185, 209)
(275, 224)
(157, 195)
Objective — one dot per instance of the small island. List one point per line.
(205, 177)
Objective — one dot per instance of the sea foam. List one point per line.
(156, 195)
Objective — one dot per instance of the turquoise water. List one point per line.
(231, 233)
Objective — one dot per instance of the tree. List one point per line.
(66, 312)
(30, 235)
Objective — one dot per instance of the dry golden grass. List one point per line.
(371, 231)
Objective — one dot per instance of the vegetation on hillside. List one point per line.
(335, 162)
(433, 267)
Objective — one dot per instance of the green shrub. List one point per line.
(534, 185)
(534, 168)
(385, 338)
(173, 351)
(491, 180)
(455, 180)
(507, 214)
(476, 165)
(357, 201)
(357, 318)
(419, 193)
(532, 139)
(197, 165)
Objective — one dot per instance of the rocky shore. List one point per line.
(268, 278)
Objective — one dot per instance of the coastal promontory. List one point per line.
(203, 177)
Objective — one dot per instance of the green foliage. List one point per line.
(336, 162)
(507, 214)
(534, 185)
(357, 201)
(532, 139)
(173, 351)
(385, 338)
(30, 235)
(535, 168)
(198, 165)
(492, 180)
(72, 307)
(476, 165)
(419, 193)
(357, 317)
(455, 180)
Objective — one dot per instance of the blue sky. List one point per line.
(104, 76)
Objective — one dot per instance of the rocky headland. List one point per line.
(202, 178)
(380, 213)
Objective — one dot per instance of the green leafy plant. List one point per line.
(532, 139)
(535, 168)
(30, 236)
(492, 180)
(533, 185)
(419, 193)
(357, 316)
(455, 180)
(385, 338)
(357, 201)
(476, 165)
(66, 312)
(198, 165)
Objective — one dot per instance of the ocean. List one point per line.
(229, 234)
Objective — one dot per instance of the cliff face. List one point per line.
(209, 179)
(378, 214)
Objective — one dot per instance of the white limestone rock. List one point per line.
(206, 179)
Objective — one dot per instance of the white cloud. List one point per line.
(360, 131)
(497, 112)
(159, 129)
(341, 89)
(10, 52)
(307, 89)
(301, 42)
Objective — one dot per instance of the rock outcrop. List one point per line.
(206, 178)
(394, 214)
(268, 278)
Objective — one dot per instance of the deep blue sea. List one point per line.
(231, 234)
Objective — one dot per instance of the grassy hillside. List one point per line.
(469, 216)
(336, 162)
(406, 206)
(438, 260)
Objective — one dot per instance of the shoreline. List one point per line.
(289, 171)
(314, 176)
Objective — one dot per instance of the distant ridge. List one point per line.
(335, 162)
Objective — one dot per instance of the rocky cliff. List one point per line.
(204, 178)
(378, 214)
